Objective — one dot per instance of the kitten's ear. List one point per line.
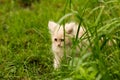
(70, 27)
(52, 25)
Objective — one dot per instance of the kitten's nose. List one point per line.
(58, 45)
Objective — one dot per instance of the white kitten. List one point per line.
(57, 35)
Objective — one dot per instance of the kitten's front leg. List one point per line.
(56, 63)
(57, 59)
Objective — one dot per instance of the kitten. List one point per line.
(57, 36)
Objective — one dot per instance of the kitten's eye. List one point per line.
(62, 40)
(55, 39)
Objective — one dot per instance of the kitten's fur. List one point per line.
(57, 36)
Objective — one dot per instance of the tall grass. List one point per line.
(101, 21)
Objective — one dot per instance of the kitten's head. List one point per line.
(57, 33)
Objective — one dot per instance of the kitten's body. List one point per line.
(57, 34)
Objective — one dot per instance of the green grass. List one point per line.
(25, 43)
